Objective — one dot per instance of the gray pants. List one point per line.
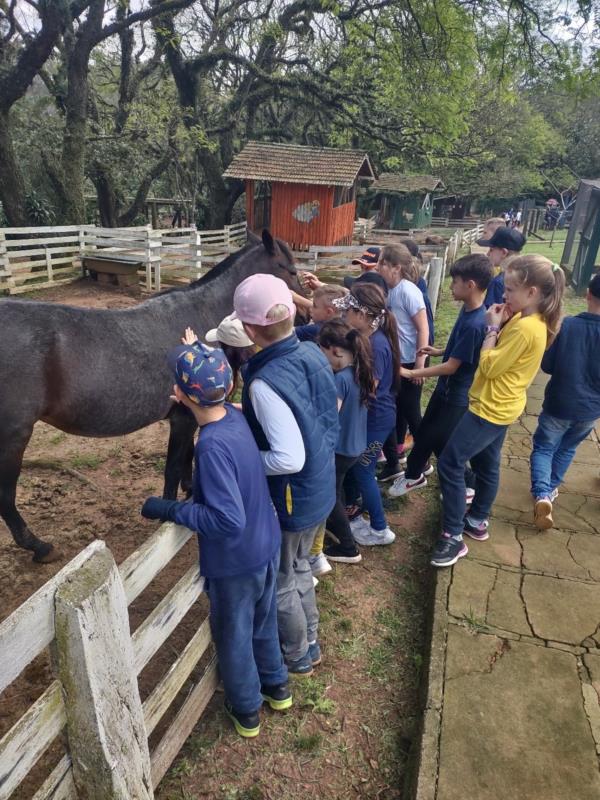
(297, 614)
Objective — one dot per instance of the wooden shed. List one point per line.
(405, 201)
(304, 195)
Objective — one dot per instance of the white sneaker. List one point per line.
(315, 582)
(371, 538)
(403, 485)
(358, 524)
(319, 565)
(469, 495)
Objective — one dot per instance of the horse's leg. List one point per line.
(11, 459)
(183, 426)
(187, 468)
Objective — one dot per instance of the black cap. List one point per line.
(507, 238)
(369, 258)
(594, 286)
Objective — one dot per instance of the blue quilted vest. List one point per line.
(300, 374)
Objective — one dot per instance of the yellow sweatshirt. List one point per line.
(498, 393)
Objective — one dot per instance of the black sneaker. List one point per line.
(389, 473)
(279, 697)
(448, 550)
(335, 552)
(247, 725)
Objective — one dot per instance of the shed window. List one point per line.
(343, 195)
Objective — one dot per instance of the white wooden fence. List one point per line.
(445, 222)
(82, 614)
(36, 258)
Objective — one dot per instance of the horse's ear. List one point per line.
(269, 242)
(252, 238)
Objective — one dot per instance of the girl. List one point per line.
(517, 334)
(366, 312)
(349, 354)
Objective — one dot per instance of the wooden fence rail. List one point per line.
(95, 698)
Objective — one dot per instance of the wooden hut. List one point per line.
(304, 195)
(405, 201)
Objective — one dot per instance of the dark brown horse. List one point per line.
(97, 372)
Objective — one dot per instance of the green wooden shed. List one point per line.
(405, 201)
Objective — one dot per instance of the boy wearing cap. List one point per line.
(290, 402)
(239, 537)
(504, 246)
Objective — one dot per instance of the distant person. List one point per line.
(571, 403)
(504, 246)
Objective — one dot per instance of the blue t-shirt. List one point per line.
(231, 509)
(573, 360)
(352, 439)
(464, 344)
(495, 292)
(309, 332)
(382, 409)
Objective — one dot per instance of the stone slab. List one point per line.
(550, 552)
(501, 548)
(471, 585)
(505, 607)
(562, 610)
(513, 724)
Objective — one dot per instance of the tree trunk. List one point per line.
(12, 184)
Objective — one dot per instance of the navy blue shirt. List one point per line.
(464, 344)
(308, 333)
(382, 409)
(573, 360)
(352, 439)
(428, 310)
(231, 510)
(495, 292)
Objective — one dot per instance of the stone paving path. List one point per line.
(514, 681)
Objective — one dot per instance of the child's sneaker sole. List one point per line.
(246, 733)
(477, 536)
(346, 559)
(451, 562)
(542, 515)
(278, 705)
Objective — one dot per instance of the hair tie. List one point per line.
(555, 267)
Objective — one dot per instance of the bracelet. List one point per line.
(492, 329)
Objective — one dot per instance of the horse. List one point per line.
(103, 372)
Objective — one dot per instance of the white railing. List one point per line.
(445, 222)
(82, 611)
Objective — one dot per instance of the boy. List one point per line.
(571, 403)
(471, 276)
(290, 402)
(239, 538)
(504, 246)
(321, 309)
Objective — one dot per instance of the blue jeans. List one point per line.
(243, 621)
(362, 477)
(476, 440)
(554, 444)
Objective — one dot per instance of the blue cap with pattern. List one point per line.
(202, 374)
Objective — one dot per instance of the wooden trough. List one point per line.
(116, 271)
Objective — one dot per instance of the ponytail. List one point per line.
(372, 301)
(549, 278)
(337, 333)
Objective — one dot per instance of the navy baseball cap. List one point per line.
(199, 371)
(507, 238)
(369, 258)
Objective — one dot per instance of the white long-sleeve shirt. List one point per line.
(287, 454)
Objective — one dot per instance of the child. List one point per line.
(571, 403)
(504, 246)
(239, 538)
(349, 353)
(366, 312)
(405, 300)
(508, 363)
(321, 309)
(471, 276)
(289, 401)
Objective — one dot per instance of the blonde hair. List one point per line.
(282, 327)
(535, 270)
(329, 292)
(398, 255)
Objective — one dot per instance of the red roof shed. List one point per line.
(304, 195)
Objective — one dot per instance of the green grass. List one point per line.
(90, 461)
(58, 438)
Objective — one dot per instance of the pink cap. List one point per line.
(256, 296)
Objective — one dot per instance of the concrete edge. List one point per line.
(421, 783)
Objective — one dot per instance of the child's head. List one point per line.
(504, 242)
(533, 283)
(323, 297)
(490, 226)
(471, 276)
(593, 294)
(397, 263)
(203, 377)
(340, 342)
(368, 259)
(265, 307)
(230, 332)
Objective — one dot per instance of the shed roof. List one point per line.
(294, 163)
(394, 182)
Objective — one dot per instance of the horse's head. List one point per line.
(277, 259)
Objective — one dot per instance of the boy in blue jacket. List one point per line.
(239, 537)
(571, 403)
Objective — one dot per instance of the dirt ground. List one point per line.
(353, 722)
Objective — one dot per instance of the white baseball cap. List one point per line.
(229, 331)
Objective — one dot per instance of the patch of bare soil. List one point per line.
(352, 723)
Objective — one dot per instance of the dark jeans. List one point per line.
(243, 621)
(476, 440)
(361, 478)
(337, 522)
(438, 422)
(408, 416)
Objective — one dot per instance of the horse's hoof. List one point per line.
(46, 555)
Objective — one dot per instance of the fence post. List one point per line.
(5, 264)
(196, 254)
(105, 722)
(436, 268)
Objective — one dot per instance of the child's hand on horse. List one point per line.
(309, 280)
(189, 337)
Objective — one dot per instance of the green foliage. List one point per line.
(39, 210)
